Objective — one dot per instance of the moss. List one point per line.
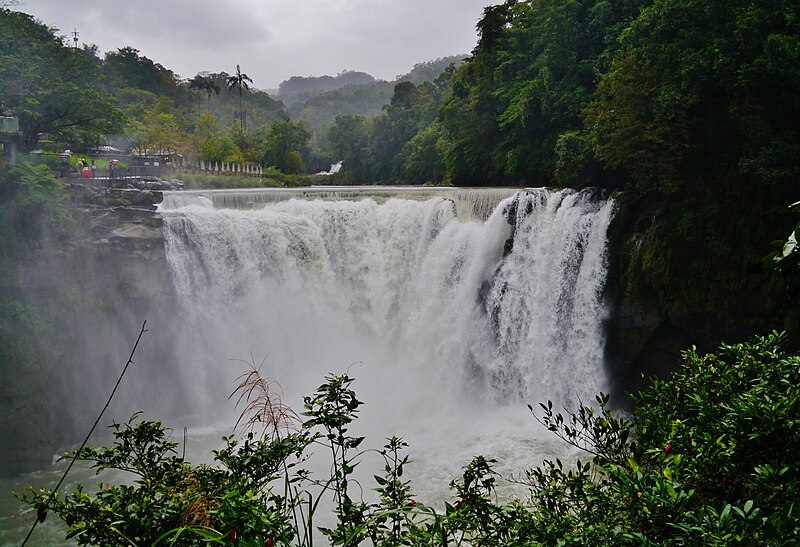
(700, 257)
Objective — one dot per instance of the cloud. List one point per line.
(273, 39)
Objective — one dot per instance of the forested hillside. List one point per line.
(73, 98)
(596, 91)
(351, 94)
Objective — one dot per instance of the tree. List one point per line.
(159, 133)
(282, 146)
(203, 82)
(704, 89)
(534, 67)
(348, 141)
(423, 156)
(411, 109)
(127, 68)
(220, 149)
(707, 457)
(54, 89)
(240, 82)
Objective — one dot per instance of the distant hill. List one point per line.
(320, 110)
(318, 100)
(301, 88)
(430, 70)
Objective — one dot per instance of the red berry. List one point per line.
(667, 448)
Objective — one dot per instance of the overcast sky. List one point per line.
(272, 39)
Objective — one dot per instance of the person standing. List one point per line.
(92, 169)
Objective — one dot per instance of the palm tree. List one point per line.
(239, 81)
(204, 82)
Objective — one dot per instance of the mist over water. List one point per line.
(452, 308)
(450, 325)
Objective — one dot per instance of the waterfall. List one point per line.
(469, 204)
(441, 296)
(452, 309)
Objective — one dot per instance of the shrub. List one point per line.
(710, 456)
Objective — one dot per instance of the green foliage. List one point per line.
(53, 89)
(710, 456)
(576, 166)
(534, 67)
(430, 71)
(204, 83)
(270, 178)
(319, 101)
(281, 146)
(381, 149)
(320, 111)
(32, 204)
(159, 131)
(627, 133)
(786, 259)
(239, 82)
(126, 68)
(705, 459)
(424, 161)
(348, 140)
(171, 499)
(305, 86)
(220, 149)
(333, 407)
(700, 80)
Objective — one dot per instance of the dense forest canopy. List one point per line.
(597, 92)
(607, 92)
(44, 84)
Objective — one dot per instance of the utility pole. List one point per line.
(75, 35)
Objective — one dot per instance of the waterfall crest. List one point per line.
(469, 204)
(494, 295)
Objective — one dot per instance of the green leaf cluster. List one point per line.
(53, 89)
(709, 456)
(32, 206)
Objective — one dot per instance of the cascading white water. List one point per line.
(452, 321)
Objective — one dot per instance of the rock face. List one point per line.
(649, 327)
(91, 292)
